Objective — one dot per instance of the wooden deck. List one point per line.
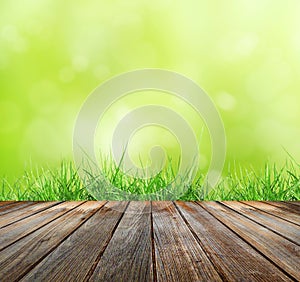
(150, 241)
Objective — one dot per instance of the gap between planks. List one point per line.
(195, 255)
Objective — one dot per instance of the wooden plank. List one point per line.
(128, 256)
(284, 228)
(274, 210)
(16, 231)
(282, 252)
(233, 258)
(82, 248)
(295, 203)
(20, 214)
(20, 257)
(286, 206)
(15, 206)
(178, 255)
(4, 203)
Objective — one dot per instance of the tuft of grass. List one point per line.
(270, 184)
(129, 186)
(61, 184)
(64, 183)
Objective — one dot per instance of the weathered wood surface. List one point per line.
(149, 241)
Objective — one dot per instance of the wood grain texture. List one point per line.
(291, 207)
(18, 230)
(17, 259)
(232, 256)
(286, 229)
(295, 203)
(4, 203)
(17, 206)
(128, 254)
(280, 251)
(82, 248)
(175, 245)
(27, 211)
(149, 241)
(278, 211)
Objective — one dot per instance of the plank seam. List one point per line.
(253, 220)
(1, 249)
(61, 241)
(223, 278)
(7, 204)
(153, 248)
(256, 249)
(23, 205)
(98, 258)
(294, 204)
(285, 208)
(44, 209)
(271, 213)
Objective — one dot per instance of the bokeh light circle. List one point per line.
(139, 80)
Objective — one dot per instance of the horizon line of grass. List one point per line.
(64, 183)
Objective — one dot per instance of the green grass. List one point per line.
(271, 183)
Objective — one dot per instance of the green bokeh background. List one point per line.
(244, 53)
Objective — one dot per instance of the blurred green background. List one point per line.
(244, 53)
